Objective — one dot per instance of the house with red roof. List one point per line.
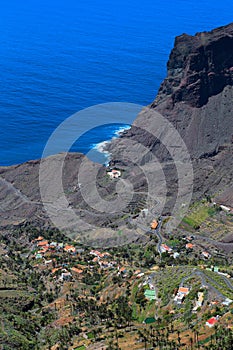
(69, 249)
(96, 253)
(122, 271)
(212, 321)
(77, 271)
(165, 248)
(181, 294)
(189, 246)
(40, 238)
(206, 255)
(43, 244)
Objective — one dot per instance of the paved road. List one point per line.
(214, 242)
(208, 281)
(227, 282)
(156, 231)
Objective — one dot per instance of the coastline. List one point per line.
(102, 147)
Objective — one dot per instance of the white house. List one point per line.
(114, 174)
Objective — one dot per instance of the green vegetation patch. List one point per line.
(90, 335)
(199, 215)
(220, 283)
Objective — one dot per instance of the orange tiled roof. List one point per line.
(183, 290)
(164, 246)
(122, 269)
(154, 224)
(56, 269)
(189, 246)
(106, 254)
(42, 244)
(74, 269)
(40, 238)
(69, 248)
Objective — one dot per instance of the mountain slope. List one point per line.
(197, 98)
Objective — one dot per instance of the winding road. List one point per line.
(208, 281)
(156, 231)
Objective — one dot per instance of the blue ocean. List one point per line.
(59, 57)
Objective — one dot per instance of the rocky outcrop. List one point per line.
(197, 98)
(199, 67)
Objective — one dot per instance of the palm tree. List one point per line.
(178, 337)
(191, 342)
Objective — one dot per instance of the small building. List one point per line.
(55, 269)
(189, 246)
(76, 271)
(104, 264)
(60, 246)
(44, 250)
(181, 294)
(114, 174)
(227, 209)
(179, 298)
(150, 294)
(183, 290)
(141, 274)
(149, 320)
(145, 212)
(43, 244)
(199, 301)
(65, 276)
(122, 271)
(212, 321)
(97, 254)
(227, 302)
(38, 256)
(48, 262)
(40, 238)
(165, 248)
(206, 255)
(69, 249)
(189, 238)
(154, 224)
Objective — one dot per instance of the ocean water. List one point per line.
(58, 57)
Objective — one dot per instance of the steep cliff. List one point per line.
(197, 98)
(199, 67)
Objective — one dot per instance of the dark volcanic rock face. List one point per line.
(199, 67)
(197, 99)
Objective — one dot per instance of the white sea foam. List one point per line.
(101, 146)
(101, 149)
(122, 129)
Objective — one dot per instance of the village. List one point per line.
(69, 262)
(72, 267)
(85, 290)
